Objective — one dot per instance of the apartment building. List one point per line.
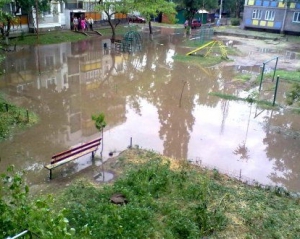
(277, 16)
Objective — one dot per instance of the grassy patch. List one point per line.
(199, 60)
(13, 118)
(262, 103)
(242, 77)
(172, 199)
(120, 30)
(291, 76)
(196, 43)
(53, 37)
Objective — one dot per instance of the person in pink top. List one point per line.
(82, 23)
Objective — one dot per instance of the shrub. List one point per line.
(19, 212)
(235, 21)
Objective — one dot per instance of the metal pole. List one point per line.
(262, 75)
(20, 234)
(276, 87)
(275, 68)
(220, 15)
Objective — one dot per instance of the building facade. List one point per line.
(60, 15)
(277, 16)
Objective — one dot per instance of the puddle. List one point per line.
(103, 177)
(151, 101)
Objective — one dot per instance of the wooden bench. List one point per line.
(72, 154)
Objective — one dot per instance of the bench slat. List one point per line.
(80, 146)
(72, 152)
(68, 159)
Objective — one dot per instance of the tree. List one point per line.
(5, 18)
(150, 8)
(110, 8)
(100, 125)
(235, 7)
(191, 7)
(8, 16)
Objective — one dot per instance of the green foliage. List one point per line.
(243, 77)
(48, 38)
(150, 8)
(235, 21)
(291, 76)
(99, 121)
(199, 60)
(13, 118)
(162, 203)
(250, 99)
(19, 212)
(169, 199)
(294, 94)
(191, 7)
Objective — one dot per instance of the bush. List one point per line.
(293, 96)
(19, 212)
(235, 21)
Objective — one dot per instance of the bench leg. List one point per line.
(50, 174)
(93, 154)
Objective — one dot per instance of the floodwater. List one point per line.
(149, 100)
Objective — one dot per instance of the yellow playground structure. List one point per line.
(209, 46)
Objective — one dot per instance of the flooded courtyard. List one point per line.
(151, 101)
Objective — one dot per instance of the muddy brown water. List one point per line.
(151, 101)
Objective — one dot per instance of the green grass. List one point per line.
(291, 76)
(13, 118)
(120, 30)
(242, 77)
(262, 103)
(52, 37)
(199, 60)
(173, 199)
(55, 37)
(215, 49)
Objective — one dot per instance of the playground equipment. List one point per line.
(132, 41)
(209, 46)
(205, 34)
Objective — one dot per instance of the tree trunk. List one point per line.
(150, 28)
(113, 30)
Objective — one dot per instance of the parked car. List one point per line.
(137, 19)
(195, 23)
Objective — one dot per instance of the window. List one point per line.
(256, 14)
(296, 17)
(270, 15)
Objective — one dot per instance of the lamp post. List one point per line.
(220, 15)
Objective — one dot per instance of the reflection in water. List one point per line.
(161, 104)
(242, 150)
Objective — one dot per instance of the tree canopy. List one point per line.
(191, 7)
(112, 7)
(150, 8)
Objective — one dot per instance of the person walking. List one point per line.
(82, 25)
(91, 22)
(86, 24)
(75, 24)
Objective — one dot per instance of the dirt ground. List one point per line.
(256, 52)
